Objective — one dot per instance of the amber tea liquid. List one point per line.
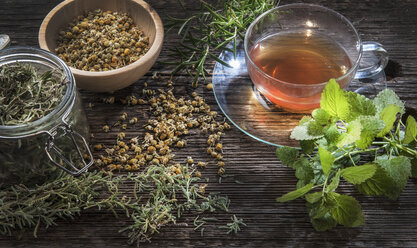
(304, 58)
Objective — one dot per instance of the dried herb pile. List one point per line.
(26, 95)
(172, 118)
(153, 189)
(150, 200)
(205, 34)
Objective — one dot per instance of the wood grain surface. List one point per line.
(269, 224)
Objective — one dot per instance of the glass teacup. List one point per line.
(292, 51)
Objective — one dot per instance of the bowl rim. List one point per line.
(146, 58)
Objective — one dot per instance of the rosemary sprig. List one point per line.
(159, 198)
(21, 208)
(200, 222)
(233, 226)
(204, 34)
(26, 95)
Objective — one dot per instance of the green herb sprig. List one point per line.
(157, 198)
(359, 141)
(26, 95)
(234, 226)
(200, 222)
(204, 34)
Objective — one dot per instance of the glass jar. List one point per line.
(48, 148)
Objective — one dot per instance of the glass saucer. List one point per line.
(255, 115)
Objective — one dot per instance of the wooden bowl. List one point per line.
(143, 15)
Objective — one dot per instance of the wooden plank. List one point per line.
(270, 224)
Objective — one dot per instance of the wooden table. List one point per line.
(269, 224)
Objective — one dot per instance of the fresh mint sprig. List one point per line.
(346, 128)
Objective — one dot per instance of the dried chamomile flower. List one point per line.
(123, 116)
(201, 164)
(98, 147)
(109, 100)
(209, 86)
(133, 120)
(106, 128)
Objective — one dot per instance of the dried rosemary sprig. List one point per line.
(234, 226)
(156, 198)
(26, 95)
(204, 34)
(22, 208)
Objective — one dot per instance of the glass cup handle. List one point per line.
(50, 147)
(373, 61)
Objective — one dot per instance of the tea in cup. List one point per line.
(293, 50)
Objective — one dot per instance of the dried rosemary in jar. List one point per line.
(42, 124)
(101, 41)
(26, 95)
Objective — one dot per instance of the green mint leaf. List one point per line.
(314, 197)
(296, 193)
(332, 134)
(301, 133)
(359, 174)
(388, 97)
(352, 134)
(287, 155)
(304, 120)
(314, 128)
(307, 146)
(371, 126)
(334, 101)
(321, 116)
(414, 168)
(323, 223)
(388, 115)
(398, 168)
(319, 212)
(326, 160)
(319, 177)
(410, 130)
(348, 211)
(360, 105)
(335, 182)
(359, 221)
(379, 184)
(303, 171)
(321, 207)
(301, 183)
(318, 209)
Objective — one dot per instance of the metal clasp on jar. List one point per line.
(51, 147)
